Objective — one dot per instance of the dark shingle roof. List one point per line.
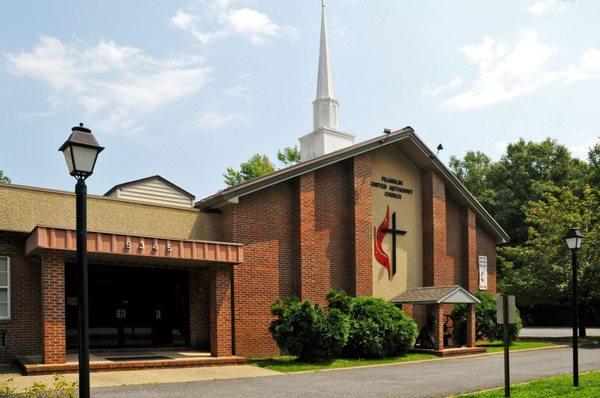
(433, 295)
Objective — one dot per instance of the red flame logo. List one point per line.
(379, 233)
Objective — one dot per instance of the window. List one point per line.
(4, 288)
(3, 339)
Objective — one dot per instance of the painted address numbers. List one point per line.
(142, 246)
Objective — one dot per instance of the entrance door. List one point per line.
(132, 307)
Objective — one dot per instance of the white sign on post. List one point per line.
(483, 273)
(500, 310)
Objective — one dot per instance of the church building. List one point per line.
(169, 273)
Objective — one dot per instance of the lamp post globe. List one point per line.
(81, 151)
(574, 239)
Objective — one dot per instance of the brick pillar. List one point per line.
(438, 326)
(470, 255)
(363, 241)
(313, 286)
(53, 307)
(220, 311)
(471, 326)
(198, 293)
(434, 228)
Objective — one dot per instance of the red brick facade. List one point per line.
(302, 237)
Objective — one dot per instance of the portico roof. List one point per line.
(454, 294)
(51, 238)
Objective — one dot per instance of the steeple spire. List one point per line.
(325, 106)
(326, 136)
(325, 80)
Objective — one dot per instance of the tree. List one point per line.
(260, 165)
(256, 166)
(540, 270)
(289, 156)
(525, 172)
(3, 178)
(474, 172)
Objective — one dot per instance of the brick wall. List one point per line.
(24, 329)
(486, 246)
(220, 291)
(266, 222)
(53, 307)
(455, 272)
(199, 309)
(363, 241)
(434, 227)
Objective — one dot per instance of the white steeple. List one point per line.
(325, 137)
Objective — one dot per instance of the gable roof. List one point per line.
(454, 294)
(410, 145)
(161, 179)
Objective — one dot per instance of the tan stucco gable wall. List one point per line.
(22, 208)
(391, 163)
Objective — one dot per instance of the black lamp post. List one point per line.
(81, 151)
(574, 240)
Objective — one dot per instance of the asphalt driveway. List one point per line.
(438, 378)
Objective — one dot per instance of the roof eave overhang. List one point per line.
(232, 195)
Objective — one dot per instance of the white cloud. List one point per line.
(220, 19)
(504, 73)
(435, 91)
(544, 6)
(115, 85)
(211, 120)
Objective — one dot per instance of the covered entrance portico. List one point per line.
(145, 292)
(430, 306)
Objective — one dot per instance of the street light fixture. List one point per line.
(574, 239)
(81, 150)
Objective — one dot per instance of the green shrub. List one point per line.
(487, 327)
(377, 328)
(307, 331)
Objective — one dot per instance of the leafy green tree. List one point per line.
(527, 171)
(3, 178)
(260, 165)
(540, 271)
(256, 166)
(594, 163)
(485, 312)
(289, 156)
(474, 172)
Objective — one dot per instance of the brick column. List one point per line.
(363, 241)
(198, 293)
(471, 326)
(434, 228)
(438, 326)
(312, 284)
(470, 243)
(220, 311)
(53, 307)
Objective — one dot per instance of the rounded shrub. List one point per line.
(307, 331)
(377, 328)
(487, 327)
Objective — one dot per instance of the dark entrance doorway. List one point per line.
(131, 307)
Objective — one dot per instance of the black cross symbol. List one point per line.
(394, 231)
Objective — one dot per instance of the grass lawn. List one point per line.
(559, 386)
(291, 364)
(498, 346)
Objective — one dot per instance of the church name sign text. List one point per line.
(393, 187)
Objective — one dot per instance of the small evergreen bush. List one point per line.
(307, 331)
(377, 328)
(487, 327)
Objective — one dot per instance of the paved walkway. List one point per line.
(419, 379)
(149, 376)
(554, 332)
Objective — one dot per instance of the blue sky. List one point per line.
(186, 88)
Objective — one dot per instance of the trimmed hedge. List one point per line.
(377, 328)
(487, 327)
(307, 331)
(353, 326)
